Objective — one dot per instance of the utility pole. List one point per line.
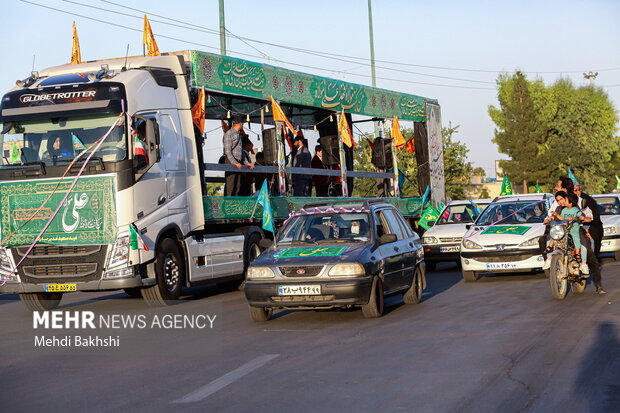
(590, 76)
(222, 30)
(372, 57)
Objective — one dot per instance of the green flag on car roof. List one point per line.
(506, 186)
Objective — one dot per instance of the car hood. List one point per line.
(309, 254)
(513, 234)
(446, 231)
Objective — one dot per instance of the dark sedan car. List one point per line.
(338, 255)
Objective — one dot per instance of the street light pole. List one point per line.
(590, 76)
(222, 30)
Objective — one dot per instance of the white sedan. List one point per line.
(609, 206)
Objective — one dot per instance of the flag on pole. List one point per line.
(135, 240)
(263, 200)
(399, 139)
(78, 145)
(506, 186)
(475, 208)
(410, 146)
(149, 39)
(572, 177)
(427, 193)
(16, 155)
(429, 215)
(76, 56)
(225, 126)
(279, 116)
(198, 111)
(139, 150)
(539, 190)
(345, 131)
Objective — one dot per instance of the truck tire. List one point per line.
(133, 292)
(260, 314)
(375, 305)
(40, 301)
(470, 275)
(414, 294)
(170, 275)
(250, 252)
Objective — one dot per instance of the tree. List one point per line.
(545, 130)
(457, 169)
(479, 172)
(484, 194)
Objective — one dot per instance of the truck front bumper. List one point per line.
(96, 285)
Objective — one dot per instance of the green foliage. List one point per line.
(457, 170)
(215, 189)
(545, 130)
(484, 194)
(479, 172)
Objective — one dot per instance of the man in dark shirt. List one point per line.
(302, 159)
(233, 150)
(596, 230)
(321, 182)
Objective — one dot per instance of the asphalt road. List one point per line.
(501, 344)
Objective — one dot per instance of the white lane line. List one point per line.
(228, 378)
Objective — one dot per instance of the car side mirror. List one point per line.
(265, 243)
(386, 239)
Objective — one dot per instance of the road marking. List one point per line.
(226, 379)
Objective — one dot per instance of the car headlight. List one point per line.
(556, 232)
(471, 245)
(347, 269)
(429, 240)
(120, 250)
(609, 230)
(260, 272)
(530, 242)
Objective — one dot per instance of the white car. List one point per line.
(609, 206)
(442, 242)
(507, 237)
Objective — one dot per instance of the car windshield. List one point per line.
(54, 141)
(455, 214)
(322, 227)
(608, 205)
(515, 212)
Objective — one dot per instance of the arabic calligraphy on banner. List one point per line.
(333, 94)
(242, 75)
(435, 148)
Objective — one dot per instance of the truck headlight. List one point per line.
(347, 270)
(120, 251)
(471, 245)
(609, 230)
(429, 240)
(260, 272)
(530, 242)
(557, 232)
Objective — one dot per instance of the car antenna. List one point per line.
(124, 68)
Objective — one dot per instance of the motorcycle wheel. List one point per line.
(557, 277)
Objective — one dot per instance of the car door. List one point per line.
(402, 247)
(389, 253)
(413, 245)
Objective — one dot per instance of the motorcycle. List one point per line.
(564, 266)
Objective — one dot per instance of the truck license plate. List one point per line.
(454, 248)
(60, 288)
(501, 265)
(299, 289)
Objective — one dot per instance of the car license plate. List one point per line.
(454, 248)
(605, 243)
(501, 265)
(60, 288)
(299, 289)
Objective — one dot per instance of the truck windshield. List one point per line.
(60, 140)
(326, 227)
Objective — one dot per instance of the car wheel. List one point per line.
(470, 275)
(414, 294)
(375, 305)
(260, 314)
(41, 301)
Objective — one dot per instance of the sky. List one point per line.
(452, 51)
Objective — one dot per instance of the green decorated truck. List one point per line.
(79, 209)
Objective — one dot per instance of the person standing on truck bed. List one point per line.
(302, 159)
(321, 182)
(233, 150)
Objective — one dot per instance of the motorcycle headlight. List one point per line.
(470, 245)
(260, 272)
(557, 232)
(120, 250)
(347, 269)
(609, 230)
(530, 242)
(429, 240)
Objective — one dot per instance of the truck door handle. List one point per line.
(161, 200)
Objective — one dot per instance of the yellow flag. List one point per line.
(345, 131)
(149, 40)
(399, 139)
(279, 116)
(76, 56)
(198, 111)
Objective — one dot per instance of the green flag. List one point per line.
(430, 214)
(263, 199)
(506, 186)
(135, 240)
(539, 190)
(15, 154)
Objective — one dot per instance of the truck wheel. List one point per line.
(170, 273)
(414, 294)
(133, 292)
(470, 275)
(260, 314)
(252, 251)
(375, 305)
(40, 301)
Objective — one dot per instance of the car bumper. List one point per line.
(502, 261)
(434, 253)
(610, 243)
(333, 293)
(96, 285)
